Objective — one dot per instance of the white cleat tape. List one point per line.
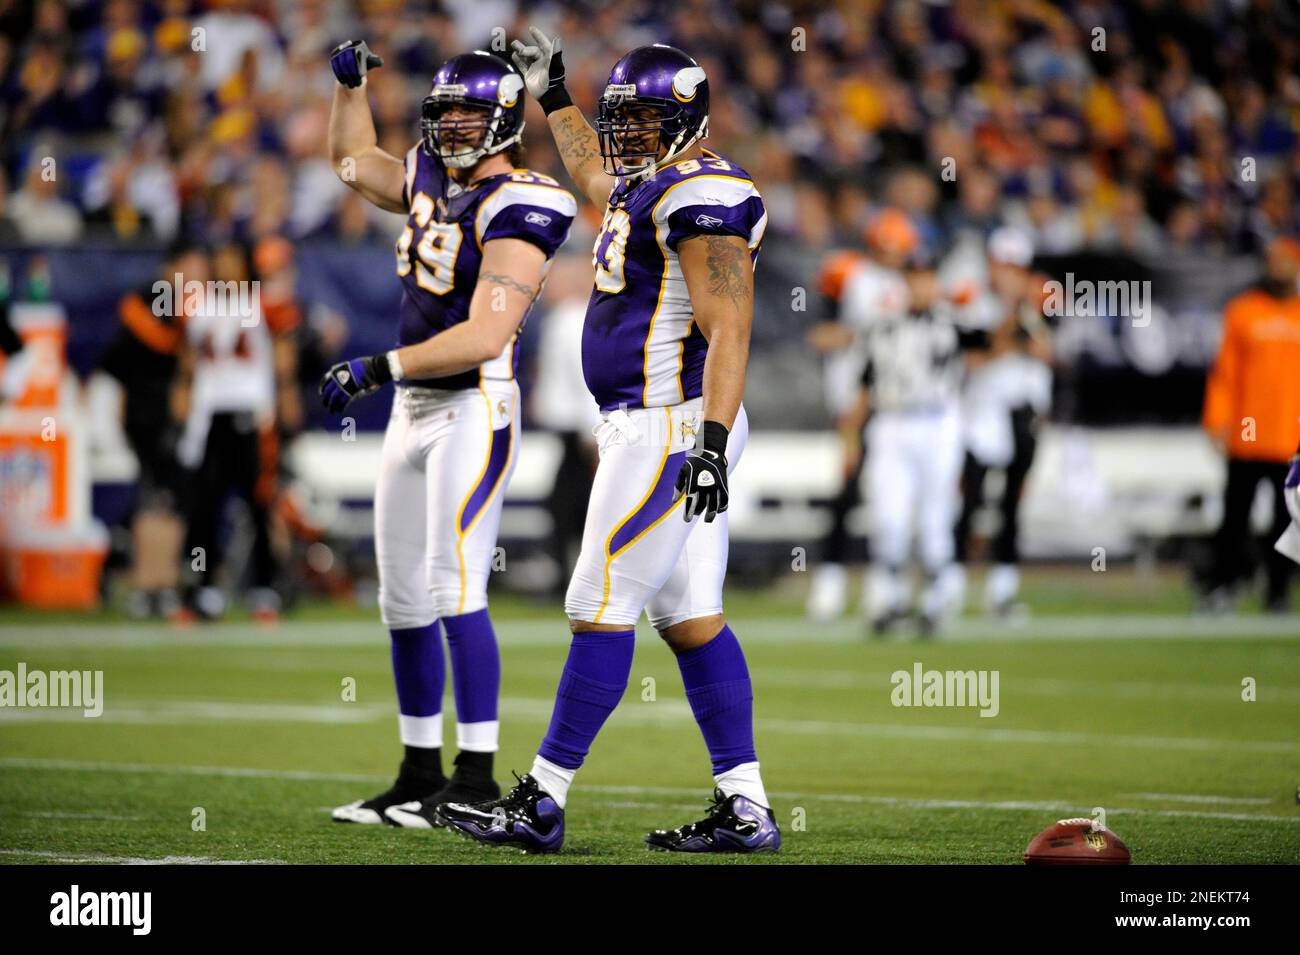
(353, 812)
(407, 816)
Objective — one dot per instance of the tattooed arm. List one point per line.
(580, 150)
(508, 281)
(720, 278)
(541, 63)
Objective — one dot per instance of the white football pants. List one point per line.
(446, 461)
(637, 551)
(912, 470)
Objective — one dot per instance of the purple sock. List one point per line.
(475, 666)
(594, 678)
(722, 699)
(419, 670)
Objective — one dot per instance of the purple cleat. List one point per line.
(526, 817)
(734, 824)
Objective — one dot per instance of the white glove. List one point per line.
(540, 62)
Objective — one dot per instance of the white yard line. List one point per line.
(1014, 736)
(56, 814)
(362, 633)
(132, 860)
(151, 769)
(1126, 627)
(879, 681)
(674, 792)
(166, 712)
(671, 711)
(660, 713)
(1189, 797)
(1020, 806)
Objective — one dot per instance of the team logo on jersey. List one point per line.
(688, 429)
(686, 82)
(707, 222)
(536, 218)
(502, 409)
(508, 89)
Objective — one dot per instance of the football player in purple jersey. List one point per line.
(665, 347)
(479, 238)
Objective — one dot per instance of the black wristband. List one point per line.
(379, 371)
(713, 437)
(556, 97)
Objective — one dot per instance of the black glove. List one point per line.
(542, 66)
(703, 476)
(350, 60)
(353, 379)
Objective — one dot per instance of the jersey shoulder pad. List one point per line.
(528, 206)
(709, 196)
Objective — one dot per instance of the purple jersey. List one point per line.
(640, 345)
(440, 250)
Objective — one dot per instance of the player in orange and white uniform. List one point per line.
(234, 360)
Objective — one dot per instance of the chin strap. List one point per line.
(675, 150)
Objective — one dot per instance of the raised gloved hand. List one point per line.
(350, 60)
(542, 65)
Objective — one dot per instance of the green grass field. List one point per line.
(1112, 695)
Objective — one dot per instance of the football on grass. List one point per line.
(1076, 842)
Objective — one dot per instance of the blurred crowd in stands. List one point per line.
(1139, 127)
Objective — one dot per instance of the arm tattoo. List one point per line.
(573, 138)
(730, 271)
(497, 278)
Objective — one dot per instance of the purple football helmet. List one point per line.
(488, 85)
(674, 93)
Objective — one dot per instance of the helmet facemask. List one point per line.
(633, 129)
(447, 137)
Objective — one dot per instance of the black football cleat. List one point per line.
(408, 787)
(527, 818)
(734, 824)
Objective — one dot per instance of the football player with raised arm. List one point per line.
(479, 238)
(665, 347)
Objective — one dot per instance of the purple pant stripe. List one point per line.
(499, 454)
(655, 506)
